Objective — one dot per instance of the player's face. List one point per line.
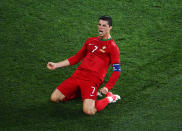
(104, 28)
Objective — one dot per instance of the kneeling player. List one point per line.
(96, 56)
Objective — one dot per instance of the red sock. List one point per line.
(101, 104)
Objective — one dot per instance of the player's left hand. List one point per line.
(104, 90)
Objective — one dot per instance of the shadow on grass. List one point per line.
(40, 113)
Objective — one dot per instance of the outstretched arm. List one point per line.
(70, 61)
(53, 66)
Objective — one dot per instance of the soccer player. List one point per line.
(96, 55)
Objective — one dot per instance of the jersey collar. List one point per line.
(105, 39)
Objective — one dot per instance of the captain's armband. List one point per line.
(116, 67)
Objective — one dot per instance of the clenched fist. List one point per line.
(51, 66)
(104, 90)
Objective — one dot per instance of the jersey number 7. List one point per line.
(96, 47)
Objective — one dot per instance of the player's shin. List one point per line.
(101, 104)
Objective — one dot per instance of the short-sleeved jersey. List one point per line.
(97, 55)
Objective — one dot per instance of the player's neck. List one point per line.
(106, 37)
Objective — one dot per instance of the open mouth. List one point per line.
(100, 32)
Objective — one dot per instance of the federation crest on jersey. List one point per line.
(104, 47)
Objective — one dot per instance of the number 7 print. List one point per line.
(93, 91)
(96, 47)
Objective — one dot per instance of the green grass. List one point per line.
(148, 34)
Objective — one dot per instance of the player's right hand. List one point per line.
(51, 66)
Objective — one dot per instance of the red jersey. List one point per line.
(97, 55)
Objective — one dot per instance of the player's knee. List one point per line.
(54, 99)
(89, 107)
(89, 111)
(57, 96)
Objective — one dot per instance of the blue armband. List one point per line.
(116, 67)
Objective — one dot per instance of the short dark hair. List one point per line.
(106, 18)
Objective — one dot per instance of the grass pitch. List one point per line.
(148, 34)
